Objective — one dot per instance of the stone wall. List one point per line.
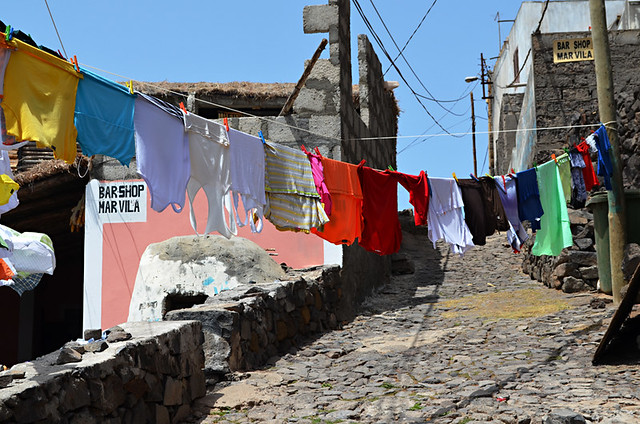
(566, 94)
(246, 326)
(152, 377)
(575, 269)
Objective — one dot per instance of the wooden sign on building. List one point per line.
(572, 50)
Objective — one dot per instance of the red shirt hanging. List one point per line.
(381, 233)
(418, 188)
(589, 174)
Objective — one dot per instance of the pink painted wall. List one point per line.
(124, 243)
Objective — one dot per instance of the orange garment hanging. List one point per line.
(39, 99)
(345, 221)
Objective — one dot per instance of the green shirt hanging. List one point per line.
(555, 231)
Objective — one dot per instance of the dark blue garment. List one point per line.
(529, 206)
(605, 168)
(104, 118)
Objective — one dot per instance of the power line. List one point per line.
(412, 34)
(56, 28)
(384, 50)
(432, 98)
(335, 138)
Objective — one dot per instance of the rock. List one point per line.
(579, 216)
(68, 355)
(183, 271)
(487, 391)
(623, 293)
(599, 303)
(94, 334)
(589, 272)
(583, 243)
(5, 380)
(578, 257)
(631, 260)
(344, 414)
(117, 334)
(172, 392)
(567, 269)
(621, 418)
(97, 346)
(564, 416)
(573, 285)
(586, 232)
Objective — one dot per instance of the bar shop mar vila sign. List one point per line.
(572, 50)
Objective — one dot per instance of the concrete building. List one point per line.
(532, 91)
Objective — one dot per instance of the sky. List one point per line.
(261, 41)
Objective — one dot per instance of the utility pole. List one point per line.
(607, 110)
(484, 74)
(473, 136)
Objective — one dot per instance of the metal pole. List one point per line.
(473, 136)
(607, 110)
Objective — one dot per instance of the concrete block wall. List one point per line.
(152, 377)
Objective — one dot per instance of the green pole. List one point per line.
(607, 110)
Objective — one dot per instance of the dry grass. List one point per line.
(46, 169)
(509, 304)
(234, 89)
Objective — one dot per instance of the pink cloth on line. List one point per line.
(318, 178)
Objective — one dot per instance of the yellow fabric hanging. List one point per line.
(39, 99)
(7, 188)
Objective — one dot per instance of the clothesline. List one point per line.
(336, 138)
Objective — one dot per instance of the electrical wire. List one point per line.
(336, 138)
(56, 28)
(384, 50)
(412, 34)
(432, 98)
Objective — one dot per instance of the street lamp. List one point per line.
(473, 126)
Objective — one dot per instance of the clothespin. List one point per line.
(487, 175)
(454, 176)
(566, 150)
(553, 156)
(261, 137)
(8, 33)
(226, 123)
(390, 168)
(129, 86)
(474, 177)
(75, 62)
(184, 109)
(318, 152)
(304, 149)
(512, 171)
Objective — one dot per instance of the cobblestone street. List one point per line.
(461, 340)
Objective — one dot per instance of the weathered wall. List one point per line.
(152, 377)
(566, 93)
(247, 325)
(505, 141)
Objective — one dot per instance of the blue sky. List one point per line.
(263, 42)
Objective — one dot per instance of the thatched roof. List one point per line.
(50, 168)
(245, 89)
